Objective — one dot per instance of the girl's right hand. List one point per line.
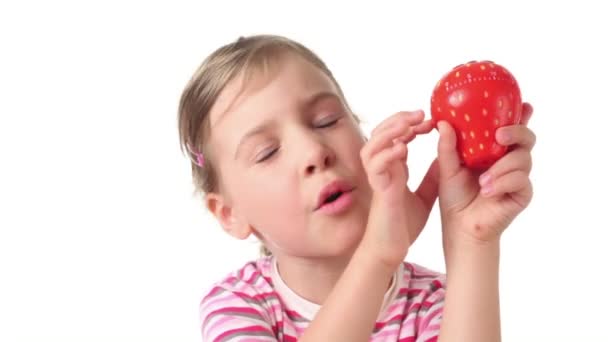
(397, 215)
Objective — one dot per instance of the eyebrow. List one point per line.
(313, 100)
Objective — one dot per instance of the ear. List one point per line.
(226, 215)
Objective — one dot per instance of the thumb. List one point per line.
(449, 162)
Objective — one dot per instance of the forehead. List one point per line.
(279, 89)
(287, 82)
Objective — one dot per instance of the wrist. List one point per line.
(472, 304)
(369, 255)
(472, 254)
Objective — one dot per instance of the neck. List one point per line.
(297, 273)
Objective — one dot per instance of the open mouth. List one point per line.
(333, 194)
(336, 202)
(333, 197)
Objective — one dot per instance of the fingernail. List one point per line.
(484, 179)
(487, 189)
(505, 136)
(415, 113)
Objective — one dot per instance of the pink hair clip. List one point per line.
(199, 160)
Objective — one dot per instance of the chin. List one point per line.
(345, 239)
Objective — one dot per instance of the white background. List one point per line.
(100, 236)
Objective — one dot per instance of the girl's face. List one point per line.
(277, 143)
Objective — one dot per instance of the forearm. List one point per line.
(350, 311)
(472, 310)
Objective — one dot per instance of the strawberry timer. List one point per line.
(477, 98)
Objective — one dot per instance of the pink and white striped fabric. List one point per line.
(254, 304)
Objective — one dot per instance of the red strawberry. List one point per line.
(477, 98)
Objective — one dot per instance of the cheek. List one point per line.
(353, 146)
(356, 137)
(263, 197)
(282, 194)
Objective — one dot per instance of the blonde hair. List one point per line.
(245, 55)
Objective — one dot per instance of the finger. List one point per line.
(516, 135)
(449, 162)
(517, 184)
(383, 140)
(377, 170)
(516, 160)
(424, 127)
(429, 186)
(526, 113)
(393, 119)
(381, 161)
(421, 128)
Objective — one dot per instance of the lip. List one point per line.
(333, 187)
(338, 206)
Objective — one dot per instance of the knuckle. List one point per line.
(532, 139)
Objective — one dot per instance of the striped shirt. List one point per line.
(254, 304)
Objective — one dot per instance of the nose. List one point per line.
(318, 156)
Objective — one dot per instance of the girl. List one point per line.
(278, 153)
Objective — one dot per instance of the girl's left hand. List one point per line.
(478, 208)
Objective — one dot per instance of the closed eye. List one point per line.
(266, 156)
(328, 124)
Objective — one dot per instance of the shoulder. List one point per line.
(253, 274)
(248, 283)
(243, 299)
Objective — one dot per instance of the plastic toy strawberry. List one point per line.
(476, 98)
